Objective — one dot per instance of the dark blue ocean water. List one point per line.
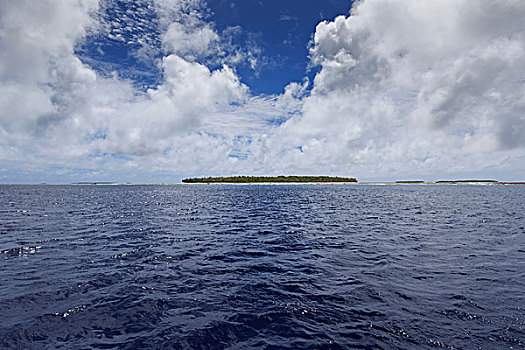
(213, 267)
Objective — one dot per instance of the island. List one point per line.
(410, 182)
(270, 179)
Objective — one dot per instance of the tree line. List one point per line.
(267, 179)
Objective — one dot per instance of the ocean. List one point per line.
(262, 267)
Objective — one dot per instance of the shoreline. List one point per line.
(359, 183)
(450, 183)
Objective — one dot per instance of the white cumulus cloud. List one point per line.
(415, 87)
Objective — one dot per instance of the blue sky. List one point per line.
(278, 32)
(159, 90)
(282, 30)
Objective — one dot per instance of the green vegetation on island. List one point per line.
(270, 179)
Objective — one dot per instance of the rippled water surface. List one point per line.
(213, 267)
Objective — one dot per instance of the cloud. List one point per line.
(57, 110)
(37, 65)
(403, 89)
(414, 87)
(185, 29)
(190, 43)
(287, 17)
(188, 32)
(190, 91)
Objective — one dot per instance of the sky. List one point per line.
(159, 90)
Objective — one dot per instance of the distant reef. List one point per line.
(270, 179)
(95, 183)
(465, 181)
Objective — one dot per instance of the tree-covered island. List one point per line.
(270, 179)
